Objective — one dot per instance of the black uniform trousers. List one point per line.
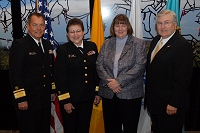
(79, 120)
(34, 120)
(168, 123)
(121, 111)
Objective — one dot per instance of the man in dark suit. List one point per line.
(76, 78)
(169, 73)
(31, 63)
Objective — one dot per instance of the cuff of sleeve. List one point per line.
(97, 88)
(53, 85)
(19, 93)
(63, 96)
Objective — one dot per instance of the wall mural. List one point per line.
(63, 10)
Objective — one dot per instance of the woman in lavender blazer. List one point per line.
(120, 66)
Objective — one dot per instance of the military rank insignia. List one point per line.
(91, 53)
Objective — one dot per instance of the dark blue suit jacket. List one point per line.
(31, 74)
(75, 73)
(169, 75)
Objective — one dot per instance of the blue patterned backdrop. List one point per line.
(63, 10)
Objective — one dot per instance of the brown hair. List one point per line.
(74, 21)
(121, 19)
(35, 14)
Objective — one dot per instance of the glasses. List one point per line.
(166, 23)
(73, 31)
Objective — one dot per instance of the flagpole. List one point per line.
(91, 11)
(135, 19)
(36, 6)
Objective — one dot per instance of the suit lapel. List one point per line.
(111, 50)
(85, 48)
(153, 45)
(76, 50)
(161, 52)
(35, 46)
(46, 49)
(127, 47)
(165, 48)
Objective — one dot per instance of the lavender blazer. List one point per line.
(131, 67)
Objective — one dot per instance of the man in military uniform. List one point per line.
(31, 63)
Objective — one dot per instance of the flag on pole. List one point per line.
(174, 5)
(42, 7)
(135, 19)
(97, 30)
(97, 36)
(56, 120)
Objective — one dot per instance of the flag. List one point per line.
(97, 30)
(97, 36)
(56, 120)
(42, 7)
(97, 122)
(174, 5)
(135, 19)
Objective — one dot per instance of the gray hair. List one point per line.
(164, 12)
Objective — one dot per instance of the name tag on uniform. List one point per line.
(32, 53)
(71, 56)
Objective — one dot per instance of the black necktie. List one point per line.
(81, 49)
(40, 47)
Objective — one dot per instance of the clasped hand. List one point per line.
(114, 85)
(171, 110)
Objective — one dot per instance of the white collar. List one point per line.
(166, 39)
(80, 45)
(37, 40)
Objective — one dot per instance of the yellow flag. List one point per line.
(97, 31)
(97, 36)
(97, 122)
